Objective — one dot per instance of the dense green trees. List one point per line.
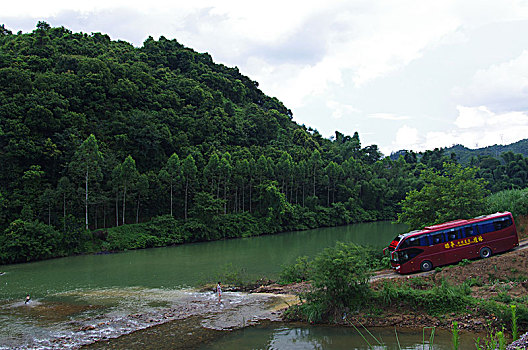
(454, 193)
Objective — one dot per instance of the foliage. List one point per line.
(24, 241)
(160, 231)
(455, 193)
(298, 272)
(514, 327)
(439, 299)
(514, 201)
(340, 280)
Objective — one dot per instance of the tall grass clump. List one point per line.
(436, 300)
(515, 331)
(514, 201)
(456, 336)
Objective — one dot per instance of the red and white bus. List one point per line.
(453, 241)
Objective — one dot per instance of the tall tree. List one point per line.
(64, 190)
(128, 175)
(315, 165)
(454, 193)
(189, 172)
(142, 188)
(87, 162)
(173, 174)
(226, 169)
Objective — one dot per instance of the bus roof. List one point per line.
(454, 223)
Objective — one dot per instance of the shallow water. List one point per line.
(284, 336)
(73, 293)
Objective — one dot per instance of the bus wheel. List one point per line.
(485, 253)
(426, 266)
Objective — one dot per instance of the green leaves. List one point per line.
(340, 280)
(455, 193)
(24, 241)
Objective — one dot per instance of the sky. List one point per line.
(406, 74)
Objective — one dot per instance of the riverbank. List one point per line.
(499, 278)
(477, 295)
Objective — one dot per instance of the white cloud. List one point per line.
(406, 138)
(388, 116)
(340, 110)
(501, 87)
(471, 117)
(477, 127)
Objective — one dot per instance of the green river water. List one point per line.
(78, 300)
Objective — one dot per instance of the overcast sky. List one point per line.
(411, 74)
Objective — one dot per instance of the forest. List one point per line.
(105, 146)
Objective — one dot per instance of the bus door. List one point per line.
(454, 253)
(436, 248)
(469, 233)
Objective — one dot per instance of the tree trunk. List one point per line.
(314, 183)
(328, 195)
(291, 190)
(243, 197)
(124, 204)
(225, 196)
(186, 193)
(303, 195)
(171, 197)
(137, 210)
(236, 199)
(117, 208)
(86, 200)
(64, 212)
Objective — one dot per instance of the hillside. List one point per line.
(465, 154)
(97, 133)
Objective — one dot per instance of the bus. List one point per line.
(452, 242)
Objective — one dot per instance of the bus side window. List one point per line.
(502, 223)
(461, 232)
(414, 241)
(452, 235)
(486, 227)
(470, 231)
(437, 238)
(424, 240)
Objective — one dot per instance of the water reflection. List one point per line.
(333, 338)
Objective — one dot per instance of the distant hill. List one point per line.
(465, 154)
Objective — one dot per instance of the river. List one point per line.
(77, 300)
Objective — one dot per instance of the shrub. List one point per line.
(514, 201)
(298, 272)
(24, 241)
(340, 278)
